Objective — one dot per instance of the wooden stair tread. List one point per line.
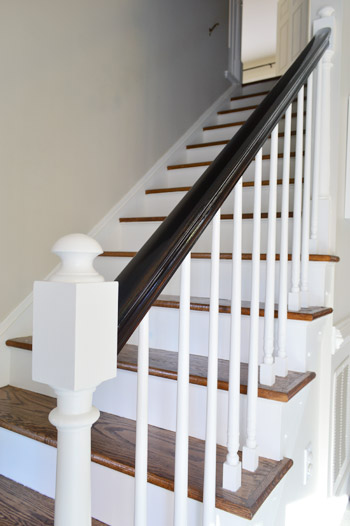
(113, 446)
(164, 364)
(246, 184)
(222, 143)
(202, 304)
(208, 163)
(258, 94)
(226, 255)
(20, 505)
(223, 217)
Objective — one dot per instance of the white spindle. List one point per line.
(232, 467)
(141, 453)
(250, 450)
(209, 491)
(267, 368)
(181, 454)
(306, 199)
(294, 295)
(281, 361)
(317, 157)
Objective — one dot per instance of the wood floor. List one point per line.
(21, 506)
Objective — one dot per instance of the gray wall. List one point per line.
(93, 92)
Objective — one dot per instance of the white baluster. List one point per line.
(306, 200)
(317, 158)
(141, 454)
(74, 350)
(232, 470)
(209, 491)
(281, 361)
(294, 295)
(250, 450)
(267, 368)
(181, 454)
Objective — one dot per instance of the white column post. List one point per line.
(209, 489)
(267, 368)
(74, 350)
(294, 295)
(281, 360)
(321, 182)
(250, 452)
(232, 469)
(182, 410)
(304, 285)
(141, 453)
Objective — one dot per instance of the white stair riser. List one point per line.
(242, 103)
(110, 397)
(302, 336)
(112, 492)
(164, 203)
(134, 235)
(241, 115)
(188, 176)
(200, 278)
(220, 134)
(208, 153)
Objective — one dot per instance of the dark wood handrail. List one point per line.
(143, 279)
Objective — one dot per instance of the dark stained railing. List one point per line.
(144, 278)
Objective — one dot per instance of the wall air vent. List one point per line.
(341, 423)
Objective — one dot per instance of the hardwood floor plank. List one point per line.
(202, 304)
(228, 255)
(223, 217)
(22, 506)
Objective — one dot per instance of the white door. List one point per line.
(293, 30)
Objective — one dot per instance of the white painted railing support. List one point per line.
(74, 350)
(232, 468)
(267, 368)
(294, 296)
(281, 360)
(250, 453)
(323, 106)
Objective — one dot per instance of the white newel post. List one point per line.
(74, 350)
(320, 230)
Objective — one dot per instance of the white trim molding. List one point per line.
(341, 334)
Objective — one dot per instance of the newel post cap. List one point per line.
(77, 253)
(326, 18)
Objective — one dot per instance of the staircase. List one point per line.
(287, 410)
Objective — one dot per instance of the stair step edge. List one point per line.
(163, 364)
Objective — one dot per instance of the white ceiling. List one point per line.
(259, 29)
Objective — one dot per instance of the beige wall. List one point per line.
(92, 93)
